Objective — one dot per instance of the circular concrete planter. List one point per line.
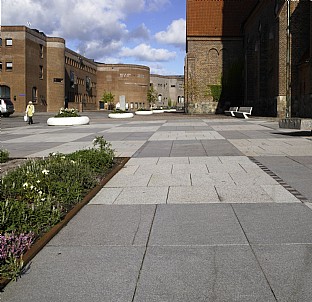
(144, 112)
(68, 121)
(121, 115)
(158, 111)
(170, 110)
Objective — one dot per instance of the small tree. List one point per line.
(151, 96)
(108, 98)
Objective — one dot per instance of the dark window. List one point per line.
(58, 80)
(0, 66)
(0, 41)
(41, 51)
(40, 72)
(34, 94)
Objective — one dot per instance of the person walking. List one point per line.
(30, 110)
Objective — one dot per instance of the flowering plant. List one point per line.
(68, 112)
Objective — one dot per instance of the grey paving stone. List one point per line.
(123, 181)
(275, 223)
(99, 225)
(79, 274)
(201, 224)
(154, 149)
(243, 194)
(189, 168)
(143, 195)
(288, 269)
(187, 148)
(295, 172)
(178, 195)
(169, 180)
(227, 273)
(106, 196)
(220, 148)
(221, 179)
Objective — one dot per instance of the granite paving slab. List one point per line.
(105, 225)
(243, 194)
(142, 195)
(124, 180)
(201, 224)
(191, 274)
(169, 180)
(79, 274)
(178, 195)
(288, 269)
(275, 223)
(154, 149)
(220, 148)
(212, 179)
(106, 196)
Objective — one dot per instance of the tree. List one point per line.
(151, 96)
(108, 98)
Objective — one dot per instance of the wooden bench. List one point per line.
(243, 112)
(231, 110)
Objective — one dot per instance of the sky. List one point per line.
(145, 32)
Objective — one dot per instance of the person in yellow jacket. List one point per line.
(30, 110)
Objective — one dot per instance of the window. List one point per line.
(40, 72)
(58, 80)
(34, 94)
(41, 50)
(0, 66)
(8, 42)
(9, 66)
(172, 86)
(0, 41)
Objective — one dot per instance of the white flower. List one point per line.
(40, 192)
(25, 185)
(31, 187)
(72, 161)
(45, 171)
(38, 181)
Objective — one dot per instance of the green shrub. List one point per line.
(4, 156)
(68, 112)
(35, 196)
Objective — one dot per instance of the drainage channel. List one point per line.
(289, 188)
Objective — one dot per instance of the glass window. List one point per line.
(9, 66)
(41, 51)
(8, 42)
(0, 41)
(40, 72)
(34, 94)
(0, 66)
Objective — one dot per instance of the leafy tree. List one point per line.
(151, 96)
(108, 98)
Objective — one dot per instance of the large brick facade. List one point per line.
(41, 69)
(244, 47)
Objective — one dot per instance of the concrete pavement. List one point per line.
(206, 209)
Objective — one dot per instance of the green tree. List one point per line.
(151, 96)
(108, 98)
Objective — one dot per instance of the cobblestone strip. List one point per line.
(289, 188)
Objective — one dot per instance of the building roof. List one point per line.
(216, 17)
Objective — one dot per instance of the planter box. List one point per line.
(68, 121)
(145, 112)
(121, 115)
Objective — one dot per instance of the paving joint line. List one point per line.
(144, 255)
(253, 252)
(285, 185)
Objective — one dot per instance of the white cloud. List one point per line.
(155, 5)
(174, 35)
(145, 52)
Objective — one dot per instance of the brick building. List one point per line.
(239, 52)
(169, 90)
(41, 69)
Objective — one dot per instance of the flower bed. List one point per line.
(120, 115)
(143, 112)
(38, 195)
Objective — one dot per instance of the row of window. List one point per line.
(8, 42)
(79, 64)
(8, 66)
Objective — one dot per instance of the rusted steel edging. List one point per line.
(42, 241)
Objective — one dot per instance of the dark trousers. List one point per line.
(30, 120)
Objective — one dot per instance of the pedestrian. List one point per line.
(30, 110)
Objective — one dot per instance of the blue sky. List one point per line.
(147, 32)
